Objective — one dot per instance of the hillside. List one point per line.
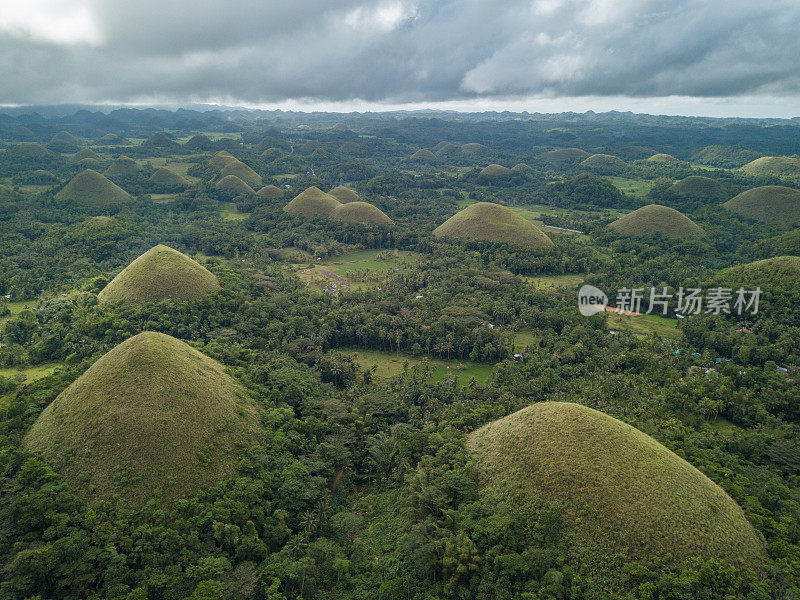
(564, 156)
(159, 274)
(360, 212)
(270, 191)
(773, 204)
(151, 418)
(220, 159)
(603, 162)
(93, 189)
(662, 158)
(699, 187)
(238, 169)
(123, 166)
(654, 218)
(486, 221)
(623, 496)
(491, 171)
(344, 194)
(778, 273)
(232, 183)
(424, 156)
(775, 166)
(164, 177)
(312, 202)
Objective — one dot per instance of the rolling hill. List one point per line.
(122, 166)
(773, 204)
(623, 496)
(564, 156)
(312, 202)
(270, 191)
(159, 274)
(360, 212)
(654, 218)
(164, 177)
(662, 158)
(776, 166)
(90, 188)
(424, 156)
(494, 171)
(489, 222)
(243, 172)
(699, 187)
(220, 159)
(344, 194)
(604, 163)
(777, 273)
(153, 417)
(233, 184)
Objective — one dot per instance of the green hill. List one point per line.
(85, 153)
(699, 187)
(112, 139)
(93, 189)
(776, 166)
(220, 159)
(312, 202)
(521, 168)
(270, 191)
(65, 137)
(8, 195)
(199, 142)
(493, 171)
(159, 274)
(123, 166)
(778, 273)
(655, 218)
(360, 212)
(564, 156)
(662, 158)
(344, 194)
(31, 151)
(423, 156)
(234, 184)
(161, 140)
(164, 177)
(623, 496)
(773, 204)
(604, 162)
(151, 418)
(489, 222)
(243, 172)
(42, 177)
(474, 149)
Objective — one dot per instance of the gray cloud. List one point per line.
(407, 51)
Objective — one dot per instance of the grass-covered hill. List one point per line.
(90, 188)
(151, 418)
(312, 202)
(199, 142)
(220, 159)
(775, 166)
(233, 184)
(662, 158)
(604, 162)
(85, 153)
(360, 212)
(167, 178)
(493, 170)
(65, 137)
(122, 166)
(654, 218)
(698, 186)
(344, 194)
(489, 222)
(243, 172)
(773, 204)
(623, 496)
(270, 191)
(474, 149)
(564, 156)
(777, 273)
(31, 152)
(159, 274)
(423, 156)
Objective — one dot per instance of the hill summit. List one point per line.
(344, 194)
(152, 417)
(360, 212)
(159, 274)
(623, 496)
(655, 218)
(312, 202)
(93, 189)
(773, 204)
(489, 222)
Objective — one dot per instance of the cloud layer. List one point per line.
(256, 51)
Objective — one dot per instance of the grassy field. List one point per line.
(644, 325)
(555, 282)
(361, 269)
(163, 198)
(524, 338)
(634, 187)
(623, 496)
(229, 212)
(390, 364)
(29, 374)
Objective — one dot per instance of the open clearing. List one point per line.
(634, 187)
(390, 364)
(355, 270)
(644, 325)
(229, 212)
(29, 374)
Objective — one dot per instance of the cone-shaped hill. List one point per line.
(662, 158)
(774, 204)
(654, 218)
(780, 166)
(494, 170)
(31, 151)
(232, 183)
(243, 172)
(474, 148)
(159, 274)
(778, 273)
(123, 166)
(699, 187)
(423, 156)
(270, 191)
(85, 153)
(152, 417)
(564, 156)
(623, 496)
(603, 162)
(360, 212)
(199, 142)
(344, 194)
(164, 177)
(93, 189)
(220, 159)
(312, 202)
(489, 222)
(64, 137)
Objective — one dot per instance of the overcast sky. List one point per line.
(712, 57)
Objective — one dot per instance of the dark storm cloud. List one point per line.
(400, 50)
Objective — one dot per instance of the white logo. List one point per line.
(591, 300)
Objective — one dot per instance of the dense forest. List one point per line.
(374, 344)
